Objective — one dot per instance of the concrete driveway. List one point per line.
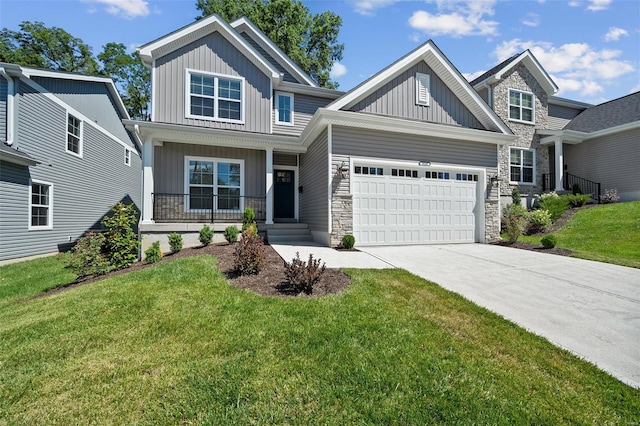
(589, 308)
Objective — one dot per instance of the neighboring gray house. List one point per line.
(65, 158)
(409, 156)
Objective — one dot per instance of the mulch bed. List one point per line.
(270, 281)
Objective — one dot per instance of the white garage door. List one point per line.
(399, 205)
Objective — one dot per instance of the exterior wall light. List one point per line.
(344, 170)
(494, 180)
(424, 163)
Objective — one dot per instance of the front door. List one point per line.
(284, 194)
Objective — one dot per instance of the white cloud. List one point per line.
(574, 3)
(615, 33)
(596, 5)
(337, 70)
(126, 8)
(456, 18)
(532, 20)
(367, 7)
(575, 66)
(472, 76)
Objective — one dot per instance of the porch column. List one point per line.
(269, 188)
(147, 181)
(559, 165)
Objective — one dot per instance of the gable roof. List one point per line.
(613, 113)
(248, 27)
(198, 29)
(528, 60)
(448, 73)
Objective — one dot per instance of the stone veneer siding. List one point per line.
(521, 79)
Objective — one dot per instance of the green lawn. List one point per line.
(607, 233)
(175, 343)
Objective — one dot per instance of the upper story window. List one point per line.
(127, 156)
(74, 135)
(521, 106)
(422, 89)
(521, 165)
(40, 205)
(284, 108)
(215, 97)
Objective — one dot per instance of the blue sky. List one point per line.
(591, 48)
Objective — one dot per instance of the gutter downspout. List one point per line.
(10, 112)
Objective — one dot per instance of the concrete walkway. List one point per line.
(589, 308)
(332, 258)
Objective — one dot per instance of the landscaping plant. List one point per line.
(249, 256)
(610, 196)
(175, 242)
(514, 221)
(303, 276)
(555, 206)
(549, 241)
(515, 196)
(206, 235)
(577, 200)
(122, 242)
(348, 241)
(87, 257)
(538, 221)
(153, 253)
(231, 234)
(248, 218)
(575, 189)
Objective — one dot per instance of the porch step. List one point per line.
(283, 233)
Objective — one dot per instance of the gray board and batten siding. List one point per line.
(3, 108)
(398, 146)
(397, 98)
(286, 75)
(84, 188)
(92, 99)
(214, 54)
(304, 106)
(611, 160)
(314, 198)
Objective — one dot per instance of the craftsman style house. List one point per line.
(65, 158)
(413, 155)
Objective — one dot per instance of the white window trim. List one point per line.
(66, 135)
(50, 216)
(215, 160)
(127, 156)
(187, 96)
(533, 183)
(427, 81)
(533, 106)
(277, 109)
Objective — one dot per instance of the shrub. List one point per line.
(121, 240)
(348, 241)
(249, 257)
(153, 253)
(175, 242)
(515, 196)
(206, 235)
(610, 196)
(577, 200)
(87, 257)
(576, 189)
(304, 275)
(547, 196)
(251, 229)
(231, 234)
(514, 221)
(539, 221)
(555, 206)
(549, 241)
(248, 218)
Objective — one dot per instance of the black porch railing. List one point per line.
(586, 186)
(548, 182)
(205, 208)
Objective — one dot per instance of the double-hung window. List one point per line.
(284, 109)
(521, 106)
(74, 135)
(521, 165)
(40, 205)
(215, 97)
(214, 183)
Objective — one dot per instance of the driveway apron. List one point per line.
(589, 308)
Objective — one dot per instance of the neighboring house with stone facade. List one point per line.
(409, 156)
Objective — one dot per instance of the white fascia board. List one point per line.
(570, 103)
(199, 29)
(351, 119)
(320, 92)
(533, 66)
(247, 25)
(576, 137)
(427, 52)
(178, 133)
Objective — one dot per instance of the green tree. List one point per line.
(131, 76)
(311, 40)
(39, 46)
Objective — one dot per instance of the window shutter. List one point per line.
(422, 89)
